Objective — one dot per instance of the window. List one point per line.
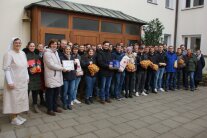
(169, 4)
(85, 24)
(192, 3)
(195, 43)
(187, 4)
(48, 37)
(110, 27)
(198, 2)
(132, 29)
(167, 39)
(152, 1)
(57, 20)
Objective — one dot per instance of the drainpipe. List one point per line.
(176, 23)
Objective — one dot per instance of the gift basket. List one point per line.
(93, 69)
(145, 63)
(130, 67)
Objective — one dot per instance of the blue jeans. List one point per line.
(119, 80)
(77, 81)
(105, 86)
(67, 93)
(158, 78)
(90, 83)
(171, 80)
(178, 77)
(192, 83)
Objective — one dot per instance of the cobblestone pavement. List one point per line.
(179, 114)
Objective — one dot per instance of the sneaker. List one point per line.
(136, 94)
(144, 94)
(16, 121)
(161, 89)
(69, 107)
(76, 101)
(72, 103)
(21, 118)
(155, 90)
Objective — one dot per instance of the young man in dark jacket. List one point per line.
(104, 57)
(118, 76)
(152, 56)
(141, 73)
(162, 63)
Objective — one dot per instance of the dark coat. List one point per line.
(200, 66)
(35, 82)
(85, 63)
(103, 59)
(162, 58)
(191, 63)
(71, 75)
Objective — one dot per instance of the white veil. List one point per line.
(10, 47)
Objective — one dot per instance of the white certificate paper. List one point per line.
(68, 64)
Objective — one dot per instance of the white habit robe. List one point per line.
(15, 67)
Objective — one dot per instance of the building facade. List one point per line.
(191, 18)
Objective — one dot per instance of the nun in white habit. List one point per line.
(15, 95)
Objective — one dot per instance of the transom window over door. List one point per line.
(85, 24)
(55, 20)
(111, 27)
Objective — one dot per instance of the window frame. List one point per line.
(87, 18)
(171, 4)
(108, 21)
(191, 5)
(152, 2)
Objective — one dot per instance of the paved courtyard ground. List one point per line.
(180, 114)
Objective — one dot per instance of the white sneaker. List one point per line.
(72, 103)
(144, 94)
(21, 118)
(155, 90)
(161, 89)
(136, 94)
(76, 101)
(16, 121)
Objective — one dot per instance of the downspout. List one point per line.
(176, 23)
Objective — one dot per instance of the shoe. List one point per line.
(118, 99)
(91, 99)
(192, 90)
(126, 96)
(102, 102)
(58, 110)
(145, 90)
(155, 90)
(137, 94)
(36, 109)
(161, 89)
(72, 103)
(108, 101)
(69, 107)
(21, 118)
(16, 121)
(64, 107)
(87, 102)
(130, 96)
(51, 113)
(144, 94)
(76, 101)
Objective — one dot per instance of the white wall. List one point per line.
(12, 12)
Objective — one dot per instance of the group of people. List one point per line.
(105, 71)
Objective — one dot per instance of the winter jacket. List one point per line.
(104, 57)
(162, 58)
(85, 62)
(191, 63)
(53, 69)
(140, 57)
(33, 61)
(171, 59)
(154, 58)
(71, 75)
